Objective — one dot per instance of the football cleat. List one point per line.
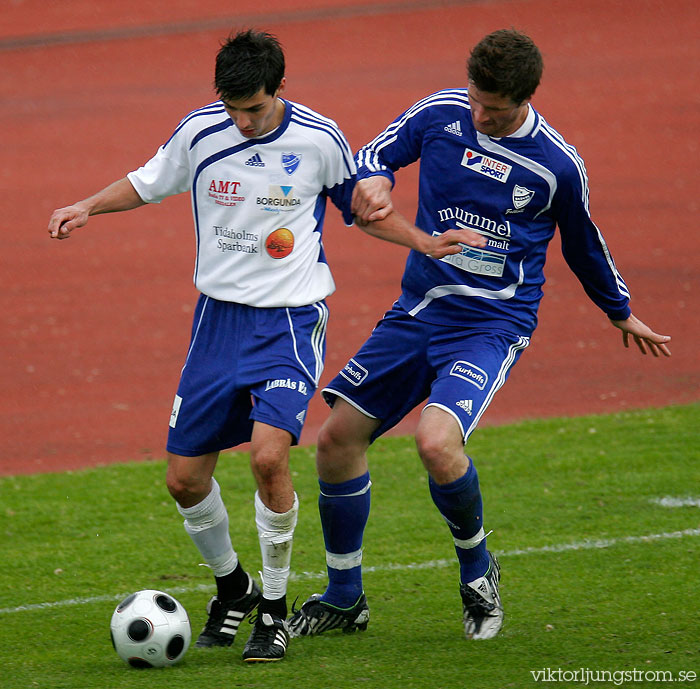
(481, 604)
(316, 616)
(268, 640)
(226, 616)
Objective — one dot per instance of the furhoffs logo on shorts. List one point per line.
(471, 373)
(353, 372)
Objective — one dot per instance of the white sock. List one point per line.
(275, 532)
(207, 525)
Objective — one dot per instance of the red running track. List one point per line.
(94, 330)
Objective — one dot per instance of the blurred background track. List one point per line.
(94, 330)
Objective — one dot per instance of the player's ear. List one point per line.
(280, 88)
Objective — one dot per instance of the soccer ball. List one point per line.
(150, 629)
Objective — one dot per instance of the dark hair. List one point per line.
(247, 62)
(506, 62)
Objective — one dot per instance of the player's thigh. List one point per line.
(471, 369)
(390, 374)
(284, 363)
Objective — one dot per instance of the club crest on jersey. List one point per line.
(489, 167)
(521, 196)
(290, 162)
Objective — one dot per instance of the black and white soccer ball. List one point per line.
(150, 629)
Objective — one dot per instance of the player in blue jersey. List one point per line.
(489, 163)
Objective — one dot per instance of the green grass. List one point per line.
(81, 540)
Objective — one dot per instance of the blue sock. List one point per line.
(344, 509)
(460, 504)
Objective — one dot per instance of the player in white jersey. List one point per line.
(489, 162)
(259, 170)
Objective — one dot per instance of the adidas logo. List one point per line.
(300, 416)
(454, 128)
(465, 404)
(257, 161)
(281, 639)
(232, 622)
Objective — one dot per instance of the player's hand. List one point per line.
(371, 199)
(64, 220)
(644, 337)
(451, 241)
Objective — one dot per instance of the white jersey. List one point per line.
(258, 204)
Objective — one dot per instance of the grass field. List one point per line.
(597, 575)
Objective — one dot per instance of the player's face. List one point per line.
(257, 115)
(495, 115)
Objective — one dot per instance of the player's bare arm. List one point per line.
(644, 337)
(118, 196)
(397, 229)
(371, 198)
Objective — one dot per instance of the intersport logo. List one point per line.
(490, 167)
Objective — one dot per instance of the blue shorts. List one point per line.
(406, 361)
(246, 364)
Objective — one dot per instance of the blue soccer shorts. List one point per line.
(246, 364)
(406, 361)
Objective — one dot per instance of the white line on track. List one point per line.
(592, 544)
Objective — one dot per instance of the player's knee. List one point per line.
(336, 441)
(431, 449)
(340, 455)
(330, 439)
(268, 462)
(187, 489)
(437, 452)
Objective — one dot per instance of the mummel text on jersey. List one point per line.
(514, 190)
(258, 204)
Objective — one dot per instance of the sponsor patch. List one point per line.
(354, 373)
(471, 373)
(478, 261)
(280, 243)
(490, 167)
(288, 384)
(279, 198)
(225, 192)
(240, 241)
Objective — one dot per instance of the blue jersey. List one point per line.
(513, 190)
